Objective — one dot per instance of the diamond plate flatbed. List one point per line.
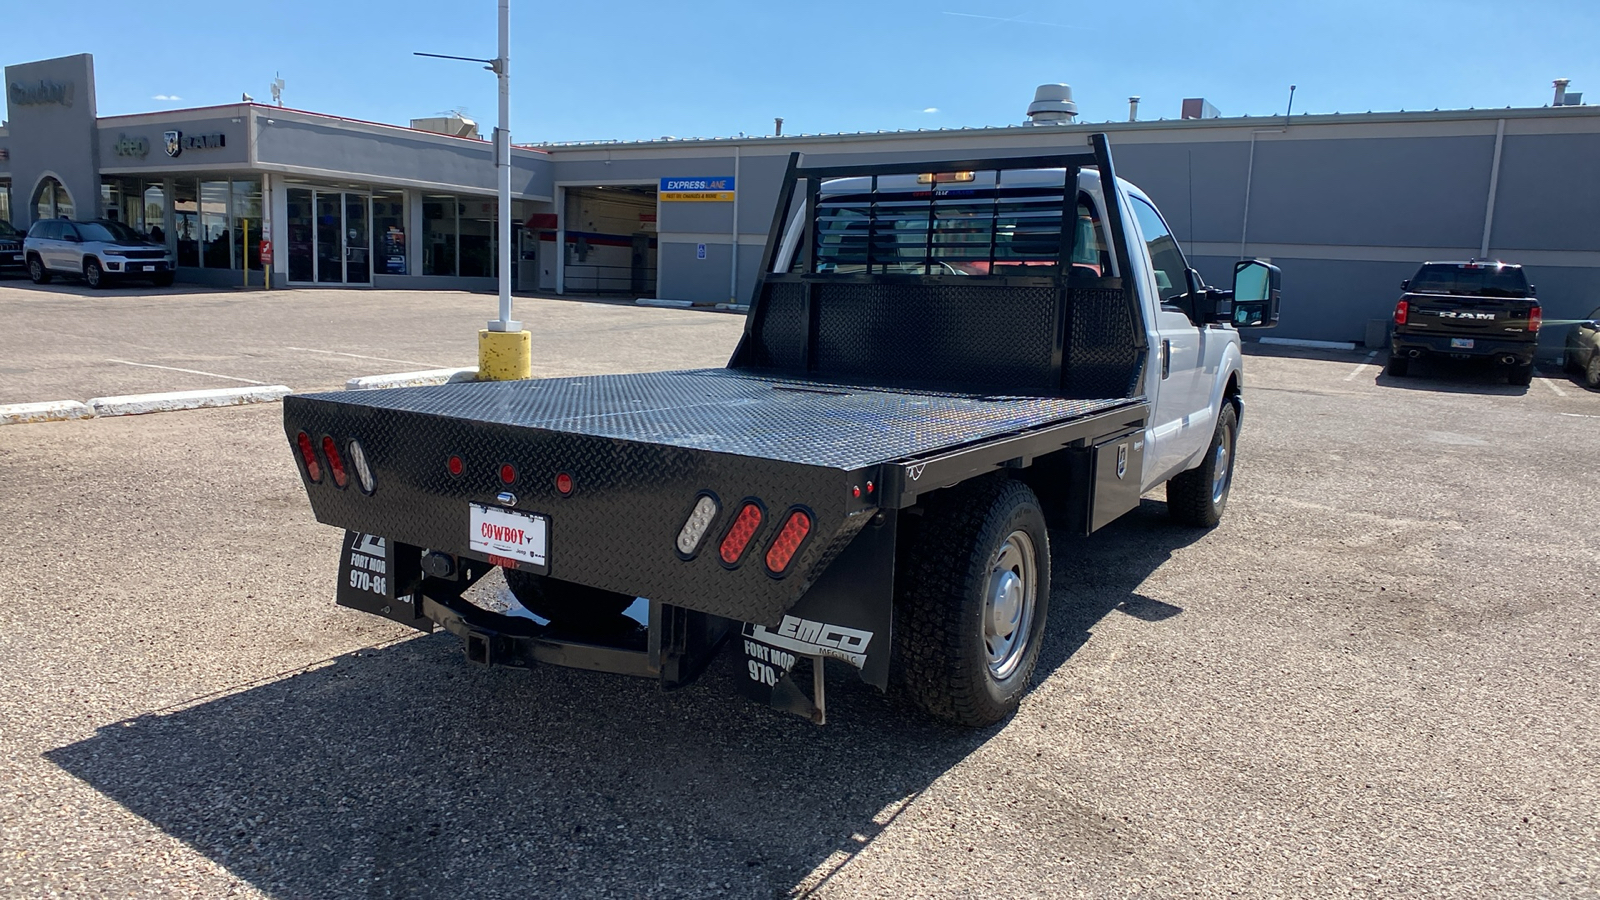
(639, 449)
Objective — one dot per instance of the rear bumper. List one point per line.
(1497, 349)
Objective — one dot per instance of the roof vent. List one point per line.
(454, 124)
(1052, 105)
(1199, 108)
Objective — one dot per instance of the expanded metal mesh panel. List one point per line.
(1100, 359)
(977, 337)
(738, 413)
(780, 336)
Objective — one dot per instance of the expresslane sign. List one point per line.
(696, 189)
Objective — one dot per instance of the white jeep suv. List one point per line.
(98, 250)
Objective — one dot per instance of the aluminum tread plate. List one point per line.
(738, 413)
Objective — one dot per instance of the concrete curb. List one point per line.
(412, 379)
(675, 304)
(49, 411)
(137, 404)
(1301, 342)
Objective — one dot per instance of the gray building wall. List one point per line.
(55, 137)
(148, 133)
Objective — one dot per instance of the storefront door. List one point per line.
(335, 246)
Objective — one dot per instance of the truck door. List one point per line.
(1183, 418)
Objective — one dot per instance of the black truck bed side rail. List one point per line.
(1039, 330)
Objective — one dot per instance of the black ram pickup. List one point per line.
(1478, 309)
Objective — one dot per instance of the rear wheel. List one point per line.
(565, 603)
(1398, 366)
(1521, 375)
(37, 271)
(93, 274)
(972, 591)
(1199, 496)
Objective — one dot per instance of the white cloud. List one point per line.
(931, 109)
(166, 97)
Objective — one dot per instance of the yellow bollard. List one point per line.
(504, 355)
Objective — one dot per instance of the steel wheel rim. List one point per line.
(1222, 469)
(1009, 598)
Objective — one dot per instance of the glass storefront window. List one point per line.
(186, 221)
(478, 237)
(215, 251)
(111, 200)
(5, 201)
(389, 232)
(53, 201)
(247, 222)
(299, 223)
(439, 232)
(155, 211)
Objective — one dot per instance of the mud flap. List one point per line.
(382, 577)
(846, 615)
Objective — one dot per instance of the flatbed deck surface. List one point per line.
(740, 413)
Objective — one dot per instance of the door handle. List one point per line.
(1166, 359)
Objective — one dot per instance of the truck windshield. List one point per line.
(1477, 281)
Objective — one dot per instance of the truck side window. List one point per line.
(1166, 259)
(1089, 249)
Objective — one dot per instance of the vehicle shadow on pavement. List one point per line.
(405, 771)
(1442, 377)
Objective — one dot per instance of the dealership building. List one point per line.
(1346, 205)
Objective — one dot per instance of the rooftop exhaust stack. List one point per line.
(1052, 105)
(1561, 91)
(1133, 109)
(777, 126)
(1199, 108)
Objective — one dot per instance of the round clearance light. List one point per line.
(508, 473)
(564, 484)
(454, 465)
(699, 522)
(358, 460)
(330, 451)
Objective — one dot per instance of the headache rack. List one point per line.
(971, 276)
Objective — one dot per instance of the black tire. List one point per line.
(564, 603)
(1521, 375)
(977, 562)
(1398, 366)
(1591, 372)
(94, 275)
(1199, 496)
(37, 271)
(163, 279)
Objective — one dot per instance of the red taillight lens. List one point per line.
(790, 537)
(739, 535)
(1535, 316)
(335, 464)
(1400, 310)
(564, 484)
(508, 473)
(454, 465)
(308, 456)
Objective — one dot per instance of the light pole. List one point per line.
(504, 349)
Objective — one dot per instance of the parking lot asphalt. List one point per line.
(1376, 678)
(68, 342)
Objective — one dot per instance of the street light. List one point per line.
(504, 349)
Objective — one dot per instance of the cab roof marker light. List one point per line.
(695, 527)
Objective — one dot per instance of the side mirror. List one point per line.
(1533, 290)
(1405, 285)
(1255, 294)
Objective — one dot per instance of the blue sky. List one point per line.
(633, 70)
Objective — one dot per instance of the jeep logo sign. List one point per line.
(136, 147)
(41, 92)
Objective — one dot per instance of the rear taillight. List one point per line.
(739, 534)
(330, 451)
(1400, 310)
(695, 527)
(1535, 316)
(308, 457)
(790, 537)
(358, 461)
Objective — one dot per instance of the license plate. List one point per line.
(147, 268)
(509, 534)
(1461, 343)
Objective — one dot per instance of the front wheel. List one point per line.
(93, 274)
(972, 592)
(37, 271)
(1199, 496)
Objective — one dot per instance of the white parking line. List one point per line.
(1357, 370)
(1549, 384)
(1580, 416)
(190, 371)
(413, 362)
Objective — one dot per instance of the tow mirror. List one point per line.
(1405, 285)
(1255, 294)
